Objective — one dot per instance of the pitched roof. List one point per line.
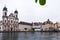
(47, 22)
(11, 14)
(37, 23)
(25, 23)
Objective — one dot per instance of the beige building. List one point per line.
(58, 26)
(25, 26)
(47, 25)
(10, 23)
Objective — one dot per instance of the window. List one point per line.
(16, 15)
(5, 13)
(25, 29)
(5, 20)
(8, 21)
(11, 21)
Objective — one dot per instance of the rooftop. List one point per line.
(25, 23)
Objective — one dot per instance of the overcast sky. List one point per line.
(32, 12)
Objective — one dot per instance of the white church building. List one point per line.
(9, 23)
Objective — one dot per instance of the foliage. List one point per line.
(41, 2)
(25, 28)
(32, 29)
(36, 1)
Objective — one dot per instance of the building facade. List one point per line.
(10, 23)
(47, 25)
(25, 26)
(58, 26)
(37, 26)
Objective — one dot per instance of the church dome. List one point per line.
(5, 9)
(48, 22)
(15, 11)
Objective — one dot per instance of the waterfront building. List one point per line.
(58, 26)
(37, 26)
(10, 23)
(25, 26)
(46, 25)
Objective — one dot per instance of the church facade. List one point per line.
(10, 23)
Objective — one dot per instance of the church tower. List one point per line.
(5, 19)
(5, 11)
(16, 20)
(16, 13)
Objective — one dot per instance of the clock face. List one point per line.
(41, 2)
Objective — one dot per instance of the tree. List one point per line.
(25, 29)
(41, 2)
(33, 29)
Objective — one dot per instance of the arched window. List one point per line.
(11, 21)
(5, 13)
(16, 15)
(5, 21)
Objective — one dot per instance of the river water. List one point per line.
(30, 36)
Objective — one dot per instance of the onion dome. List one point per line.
(5, 8)
(15, 11)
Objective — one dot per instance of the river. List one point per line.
(30, 36)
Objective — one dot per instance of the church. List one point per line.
(10, 23)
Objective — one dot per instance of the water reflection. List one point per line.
(10, 36)
(30, 36)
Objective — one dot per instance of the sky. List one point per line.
(29, 11)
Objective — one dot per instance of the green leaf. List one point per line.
(42, 2)
(36, 1)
